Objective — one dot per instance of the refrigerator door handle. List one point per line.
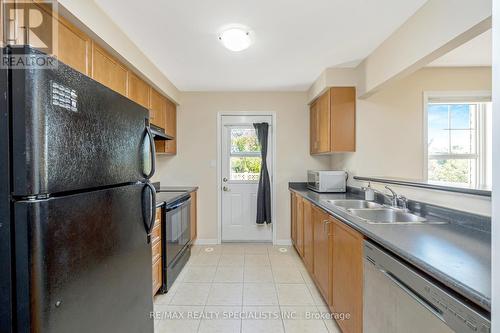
(152, 151)
(149, 223)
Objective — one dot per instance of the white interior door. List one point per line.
(241, 163)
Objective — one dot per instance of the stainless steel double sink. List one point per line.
(374, 213)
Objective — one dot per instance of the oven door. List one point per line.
(177, 229)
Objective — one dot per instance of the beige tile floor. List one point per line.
(243, 288)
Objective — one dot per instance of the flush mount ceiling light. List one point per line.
(235, 39)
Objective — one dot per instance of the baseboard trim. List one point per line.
(206, 241)
(283, 242)
(214, 241)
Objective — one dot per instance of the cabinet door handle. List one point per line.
(325, 224)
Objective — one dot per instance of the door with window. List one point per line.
(241, 163)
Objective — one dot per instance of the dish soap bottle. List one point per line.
(369, 193)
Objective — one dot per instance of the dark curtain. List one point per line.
(264, 191)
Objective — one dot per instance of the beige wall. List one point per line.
(389, 132)
(197, 150)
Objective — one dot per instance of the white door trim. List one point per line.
(219, 166)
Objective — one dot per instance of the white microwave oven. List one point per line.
(326, 181)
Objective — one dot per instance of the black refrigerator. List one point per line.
(76, 206)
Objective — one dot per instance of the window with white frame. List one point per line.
(458, 138)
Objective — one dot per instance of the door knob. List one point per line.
(225, 188)
(224, 179)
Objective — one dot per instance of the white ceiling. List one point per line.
(476, 52)
(294, 40)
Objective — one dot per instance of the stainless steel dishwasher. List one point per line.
(398, 298)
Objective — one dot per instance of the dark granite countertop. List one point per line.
(168, 194)
(454, 254)
(178, 189)
(165, 198)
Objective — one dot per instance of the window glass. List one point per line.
(245, 160)
(451, 170)
(437, 134)
(462, 142)
(244, 140)
(454, 134)
(245, 168)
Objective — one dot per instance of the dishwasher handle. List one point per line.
(183, 202)
(422, 301)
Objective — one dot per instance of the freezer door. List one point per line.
(5, 232)
(83, 263)
(71, 133)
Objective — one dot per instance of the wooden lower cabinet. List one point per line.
(333, 255)
(156, 253)
(308, 235)
(321, 251)
(300, 226)
(293, 214)
(194, 216)
(156, 276)
(347, 279)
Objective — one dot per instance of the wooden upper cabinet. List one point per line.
(343, 119)
(333, 121)
(313, 128)
(79, 51)
(347, 276)
(108, 71)
(320, 125)
(72, 46)
(308, 235)
(157, 109)
(321, 251)
(138, 90)
(323, 127)
(168, 147)
(171, 127)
